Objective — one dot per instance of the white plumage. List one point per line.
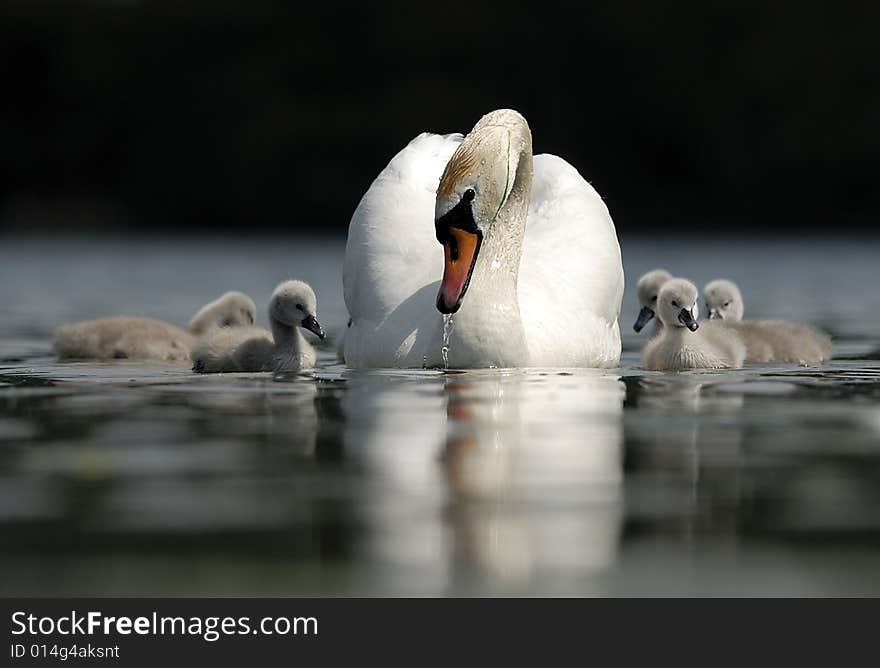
(570, 276)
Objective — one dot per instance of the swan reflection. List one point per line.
(516, 476)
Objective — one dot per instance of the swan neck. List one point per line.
(503, 244)
(490, 330)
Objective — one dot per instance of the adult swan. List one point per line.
(530, 264)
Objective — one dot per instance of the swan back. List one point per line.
(782, 341)
(392, 230)
(571, 280)
(393, 262)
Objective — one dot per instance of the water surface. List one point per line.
(130, 478)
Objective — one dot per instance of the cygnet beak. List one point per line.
(686, 318)
(644, 316)
(715, 315)
(311, 323)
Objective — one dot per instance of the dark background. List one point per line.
(270, 116)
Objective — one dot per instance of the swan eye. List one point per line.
(300, 307)
(468, 195)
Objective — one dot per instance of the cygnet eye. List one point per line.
(654, 298)
(300, 307)
(726, 304)
(675, 303)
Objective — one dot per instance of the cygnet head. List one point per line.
(723, 300)
(677, 304)
(294, 304)
(232, 309)
(649, 288)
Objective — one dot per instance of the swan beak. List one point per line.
(311, 323)
(460, 252)
(644, 316)
(686, 318)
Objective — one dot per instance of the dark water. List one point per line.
(129, 478)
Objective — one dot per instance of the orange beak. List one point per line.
(460, 250)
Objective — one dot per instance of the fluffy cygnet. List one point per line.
(684, 344)
(649, 288)
(293, 306)
(766, 340)
(232, 309)
(127, 337)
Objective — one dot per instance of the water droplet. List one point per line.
(448, 326)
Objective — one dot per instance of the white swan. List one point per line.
(530, 262)
(293, 305)
(766, 340)
(127, 337)
(648, 288)
(683, 343)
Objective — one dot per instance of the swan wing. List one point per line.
(392, 259)
(571, 276)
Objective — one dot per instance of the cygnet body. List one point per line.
(682, 343)
(766, 340)
(138, 338)
(293, 306)
(649, 288)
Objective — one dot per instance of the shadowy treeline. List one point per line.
(248, 116)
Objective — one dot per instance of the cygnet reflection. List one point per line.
(684, 451)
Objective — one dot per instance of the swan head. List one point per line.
(232, 309)
(649, 288)
(473, 190)
(294, 304)
(723, 300)
(677, 304)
